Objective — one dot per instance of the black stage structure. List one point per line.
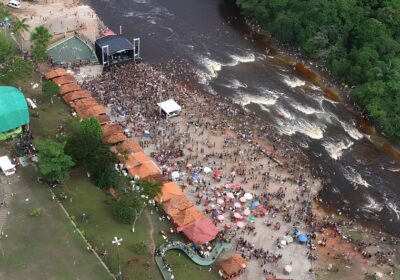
(116, 49)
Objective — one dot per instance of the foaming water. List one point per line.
(290, 127)
(372, 205)
(235, 84)
(351, 130)
(304, 108)
(336, 148)
(237, 59)
(212, 67)
(354, 177)
(393, 208)
(267, 98)
(293, 82)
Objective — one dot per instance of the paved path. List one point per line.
(177, 245)
(153, 244)
(5, 198)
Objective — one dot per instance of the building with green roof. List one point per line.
(13, 112)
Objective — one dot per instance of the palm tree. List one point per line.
(19, 27)
(41, 36)
(40, 39)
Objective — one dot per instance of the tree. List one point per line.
(143, 191)
(16, 70)
(84, 141)
(19, 27)
(40, 39)
(50, 88)
(7, 50)
(54, 164)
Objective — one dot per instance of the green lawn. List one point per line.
(101, 229)
(44, 247)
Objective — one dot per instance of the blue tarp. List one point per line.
(255, 203)
(195, 176)
(302, 238)
(215, 213)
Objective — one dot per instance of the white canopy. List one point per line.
(170, 107)
(6, 165)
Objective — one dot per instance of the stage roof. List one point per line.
(116, 43)
(169, 106)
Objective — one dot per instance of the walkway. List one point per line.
(5, 197)
(192, 254)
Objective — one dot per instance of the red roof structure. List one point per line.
(201, 231)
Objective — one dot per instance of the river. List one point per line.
(362, 179)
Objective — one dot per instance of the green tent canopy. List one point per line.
(13, 109)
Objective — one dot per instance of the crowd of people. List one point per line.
(214, 133)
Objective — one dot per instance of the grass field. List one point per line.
(44, 247)
(101, 228)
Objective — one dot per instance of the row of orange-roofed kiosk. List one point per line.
(184, 214)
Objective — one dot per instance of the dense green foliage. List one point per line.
(50, 88)
(130, 202)
(53, 163)
(13, 68)
(40, 39)
(359, 41)
(87, 149)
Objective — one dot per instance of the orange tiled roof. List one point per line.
(55, 73)
(145, 170)
(92, 111)
(110, 129)
(75, 95)
(69, 88)
(66, 79)
(168, 191)
(84, 104)
(115, 138)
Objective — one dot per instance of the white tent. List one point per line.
(6, 165)
(170, 108)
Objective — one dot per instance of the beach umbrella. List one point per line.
(195, 176)
(206, 169)
(283, 242)
(237, 205)
(252, 218)
(288, 239)
(220, 218)
(302, 238)
(255, 203)
(240, 224)
(217, 173)
(220, 201)
(235, 186)
(237, 216)
(214, 213)
(248, 196)
(288, 269)
(230, 195)
(175, 175)
(242, 199)
(246, 212)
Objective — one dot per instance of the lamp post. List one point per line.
(117, 242)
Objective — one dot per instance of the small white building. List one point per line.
(170, 108)
(6, 166)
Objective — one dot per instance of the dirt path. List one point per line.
(152, 244)
(5, 197)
